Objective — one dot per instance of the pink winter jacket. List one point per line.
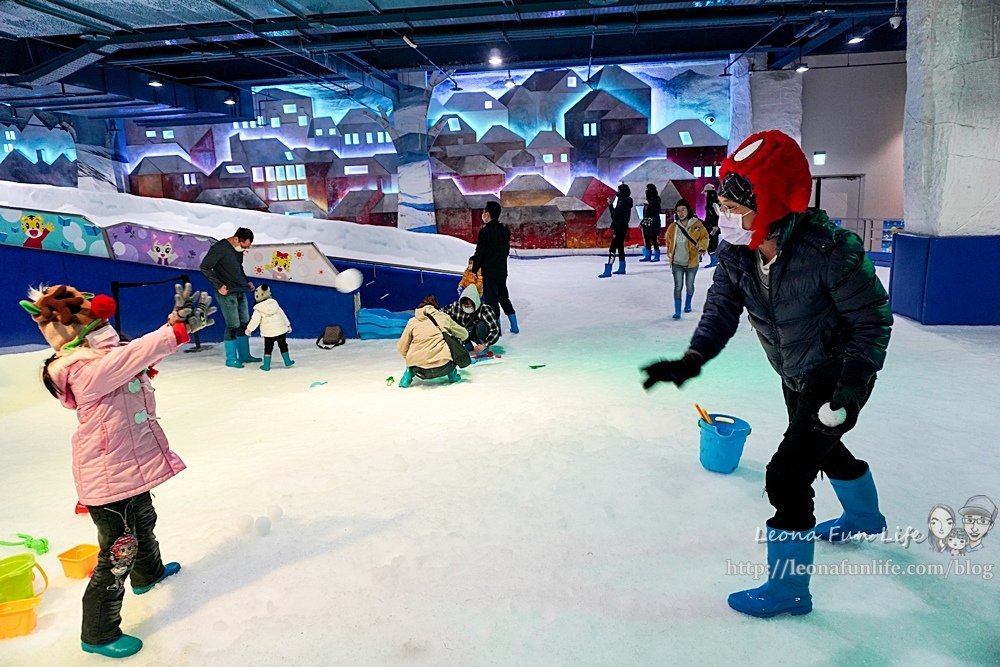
(119, 449)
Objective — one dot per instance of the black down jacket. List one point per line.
(826, 314)
(492, 248)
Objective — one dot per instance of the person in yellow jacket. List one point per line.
(423, 346)
(687, 240)
(471, 277)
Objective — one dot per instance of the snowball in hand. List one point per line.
(830, 417)
(348, 280)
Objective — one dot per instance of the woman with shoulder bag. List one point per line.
(687, 241)
(423, 344)
(651, 225)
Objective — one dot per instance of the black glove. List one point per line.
(199, 315)
(677, 371)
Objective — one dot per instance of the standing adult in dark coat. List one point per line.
(823, 319)
(492, 249)
(651, 225)
(621, 213)
(711, 221)
(223, 267)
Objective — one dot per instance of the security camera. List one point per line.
(709, 119)
(895, 21)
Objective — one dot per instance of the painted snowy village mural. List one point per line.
(550, 145)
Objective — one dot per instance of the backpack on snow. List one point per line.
(332, 336)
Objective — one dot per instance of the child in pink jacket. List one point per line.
(119, 450)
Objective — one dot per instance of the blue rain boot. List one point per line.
(232, 354)
(287, 359)
(646, 255)
(687, 303)
(406, 380)
(122, 647)
(677, 309)
(787, 588)
(714, 262)
(861, 515)
(621, 268)
(453, 376)
(513, 323)
(169, 570)
(607, 270)
(266, 364)
(656, 256)
(243, 346)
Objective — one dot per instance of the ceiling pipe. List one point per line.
(791, 55)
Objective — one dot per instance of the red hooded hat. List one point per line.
(778, 171)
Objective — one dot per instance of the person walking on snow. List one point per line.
(823, 319)
(492, 249)
(274, 326)
(223, 267)
(687, 241)
(120, 453)
(651, 225)
(621, 213)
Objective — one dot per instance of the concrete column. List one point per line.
(741, 125)
(416, 196)
(777, 102)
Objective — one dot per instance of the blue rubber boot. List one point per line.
(232, 354)
(607, 270)
(513, 323)
(646, 255)
(169, 570)
(861, 515)
(714, 262)
(656, 256)
(266, 364)
(122, 647)
(453, 376)
(287, 359)
(621, 268)
(406, 380)
(243, 347)
(787, 588)
(677, 309)
(687, 303)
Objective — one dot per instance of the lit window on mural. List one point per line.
(303, 121)
(289, 155)
(685, 138)
(282, 193)
(246, 125)
(547, 158)
(253, 124)
(190, 179)
(289, 108)
(261, 121)
(279, 174)
(8, 148)
(272, 193)
(300, 171)
(151, 134)
(717, 171)
(564, 158)
(258, 174)
(355, 169)
(454, 125)
(303, 192)
(168, 134)
(488, 104)
(268, 173)
(381, 137)
(235, 169)
(9, 135)
(319, 131)
(571, 82)
(236, 124)
(275, 122)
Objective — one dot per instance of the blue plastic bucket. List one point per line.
(722, 442)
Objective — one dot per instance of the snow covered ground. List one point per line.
(548, 516)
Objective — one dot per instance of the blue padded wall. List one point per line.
(946, 279)
(400, 288)
(309, 308)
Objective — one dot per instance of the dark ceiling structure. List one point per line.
(104, 58)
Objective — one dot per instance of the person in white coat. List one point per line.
(273, 323)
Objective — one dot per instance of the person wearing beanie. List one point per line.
(223, 267)
(492, 249)
(823, 318)
(274, 326)
(687, 242)
(621, 213)
(120, 453)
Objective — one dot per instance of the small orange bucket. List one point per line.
(18, 617)
(79, 561)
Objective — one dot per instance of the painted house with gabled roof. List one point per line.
(528, 190)
(580, 221)
(450, 129)
(697, 148)
(167, 176)
(596, 123)
(362, 134)
(500, 139)
(542, 99)
(625, 86)
(478, 109)
(627, 153)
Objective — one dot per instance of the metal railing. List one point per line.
(876, 233)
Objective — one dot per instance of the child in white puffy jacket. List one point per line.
(273, 326)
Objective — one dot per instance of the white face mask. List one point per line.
(106, 336)
(240, 248)
(731, 228)
(468, 309)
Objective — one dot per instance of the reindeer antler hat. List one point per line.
(65, 315)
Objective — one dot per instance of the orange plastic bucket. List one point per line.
(79, 561)
(17, 579)
(18, 617)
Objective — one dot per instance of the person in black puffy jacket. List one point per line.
(621, 213)
(492, 249)
(823, 318)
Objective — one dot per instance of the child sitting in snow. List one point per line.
(120, 452)
(471, 277)
(273, 326)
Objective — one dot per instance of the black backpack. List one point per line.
(332, 336)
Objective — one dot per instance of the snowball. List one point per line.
(830, 417)
(275, 512)
(263, 525)
(245, 523)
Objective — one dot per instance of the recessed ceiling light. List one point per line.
(155, 83)
(230, 100)
(802, 68)
(496, 60)
(855, 40)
